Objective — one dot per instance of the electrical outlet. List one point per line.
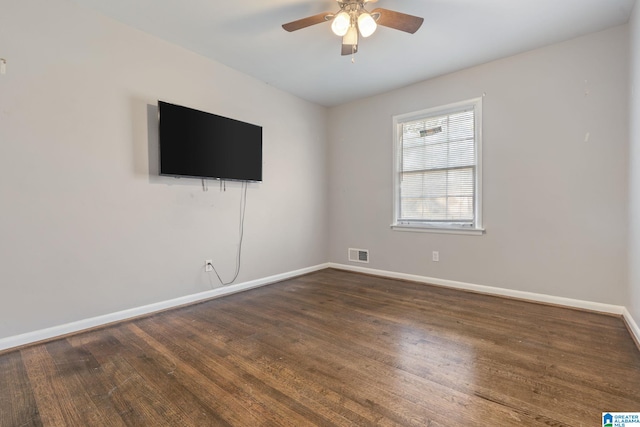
(435, 256)
(208, 265)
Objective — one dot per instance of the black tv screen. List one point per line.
(197, 144)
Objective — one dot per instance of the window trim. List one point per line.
(433, 227)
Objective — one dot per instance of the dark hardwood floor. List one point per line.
(332, 348)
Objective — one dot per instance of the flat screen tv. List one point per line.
(197, 144)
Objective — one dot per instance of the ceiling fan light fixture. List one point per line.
(341, 23)
(366, 24)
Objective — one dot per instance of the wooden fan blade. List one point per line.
(308, 21)
(397, 20)
(349, 49)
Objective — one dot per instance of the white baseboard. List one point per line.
(632, 326)
(80, 325)
(529, 296)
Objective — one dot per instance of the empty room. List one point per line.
(319, 213)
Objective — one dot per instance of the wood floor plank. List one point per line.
(71, 364)
(189, 372)
(17, 402)
(333, 406)
(375, 373)
(520, 361)
(118, 387)
(255, 393)
(245, 315)
(508, 378)
(54, 403)
(332, 348)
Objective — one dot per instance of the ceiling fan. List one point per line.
(354, 18)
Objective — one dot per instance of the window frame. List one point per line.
(434, 226)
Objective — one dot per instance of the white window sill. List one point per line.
(440, 230)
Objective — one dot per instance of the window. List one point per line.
(437, 170)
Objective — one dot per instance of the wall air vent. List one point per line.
(359, 255)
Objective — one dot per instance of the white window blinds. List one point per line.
(437, 168)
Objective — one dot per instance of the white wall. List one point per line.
(555, 206)
(85, 227)
(634, 168)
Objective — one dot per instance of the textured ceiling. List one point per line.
(456, 34)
